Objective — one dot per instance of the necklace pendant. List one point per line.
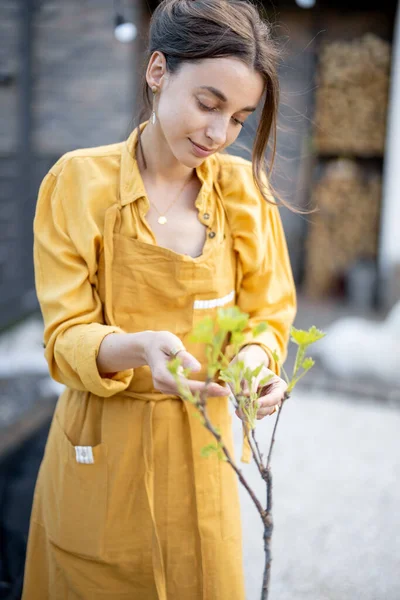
(162, 220)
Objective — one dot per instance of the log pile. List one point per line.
(352, 97)
(346, 226)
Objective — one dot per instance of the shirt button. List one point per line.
(206, 216)
(212, 234)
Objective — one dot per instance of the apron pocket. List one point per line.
(74, 484)
(203, 307)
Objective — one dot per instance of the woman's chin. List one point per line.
(189, 160)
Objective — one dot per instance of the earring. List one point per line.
(153, 114)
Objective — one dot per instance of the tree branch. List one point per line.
(207, 423)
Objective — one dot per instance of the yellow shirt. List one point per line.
(125, 505)
(68, 234)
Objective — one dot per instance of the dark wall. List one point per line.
(65, 83)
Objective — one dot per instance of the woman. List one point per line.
(135, 242)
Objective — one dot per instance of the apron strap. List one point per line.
(147, 437)
(112, 215)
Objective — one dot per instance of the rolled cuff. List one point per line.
(86, 353)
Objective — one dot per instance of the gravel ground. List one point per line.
(336, 493)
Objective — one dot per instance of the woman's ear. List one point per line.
(156, 70)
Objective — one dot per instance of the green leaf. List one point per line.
(211, 449)
(260, 328)
(219, 339)
(275, 356)
(226, 376)
(308, 363)
(208, 450)
(257, 370)
(203, 331)
(306, 338)
(247, 374)
(266, 380)
(174, 366)
(232, 319)
(237, 338)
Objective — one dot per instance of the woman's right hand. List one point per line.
(159, 348)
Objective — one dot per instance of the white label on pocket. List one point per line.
(84, 454)
(214, 302)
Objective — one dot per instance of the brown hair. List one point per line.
(193, 30)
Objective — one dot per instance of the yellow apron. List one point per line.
(149, 518)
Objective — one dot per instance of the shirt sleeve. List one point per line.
(67, 294)
(265, 288)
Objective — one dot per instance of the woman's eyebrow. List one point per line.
(223, 98)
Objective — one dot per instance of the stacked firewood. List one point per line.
(346, 226)
(352, 97)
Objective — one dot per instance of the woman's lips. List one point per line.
(200, 150)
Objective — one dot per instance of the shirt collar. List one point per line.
(131, 182)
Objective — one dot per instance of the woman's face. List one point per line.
(201, 109)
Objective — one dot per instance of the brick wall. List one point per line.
(85, 84)
(85, 81)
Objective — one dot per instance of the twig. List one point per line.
(255, 451)
(286, 396)
(260, 456)
(207, 423)
(268, 527)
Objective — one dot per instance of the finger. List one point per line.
(213, 389)
(263, 374)
(240, 414)
(267, 412)
(172, 346)
(245, 388)
(189, 361)
(169, 343)
(165, 383)
(275, 396)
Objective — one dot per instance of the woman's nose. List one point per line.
(217, 132)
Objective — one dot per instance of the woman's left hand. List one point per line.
(271, 394)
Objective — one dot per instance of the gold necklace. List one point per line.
(162, 219)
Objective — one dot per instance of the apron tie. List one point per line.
(148, 455)
(246, 450)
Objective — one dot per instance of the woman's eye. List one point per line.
(238, 122)
(205, 107)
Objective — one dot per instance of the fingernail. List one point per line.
(193, 364)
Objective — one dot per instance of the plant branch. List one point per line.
(233, 322)
(254, 450)
(285, 374)
(286, 396)
(260, 456)
(201, 406)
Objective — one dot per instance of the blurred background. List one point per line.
(70, 75)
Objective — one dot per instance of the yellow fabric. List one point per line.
(151, 518)
(246, 450)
